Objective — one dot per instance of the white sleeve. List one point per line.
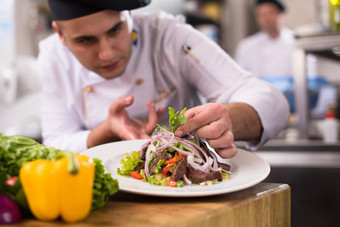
(60, 127)
(240, 54)
(220, 79)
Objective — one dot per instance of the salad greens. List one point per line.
(17, 150)
(174, 120)
(130, 161)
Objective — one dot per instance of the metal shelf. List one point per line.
(326, 44)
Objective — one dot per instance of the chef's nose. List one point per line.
(106, 50)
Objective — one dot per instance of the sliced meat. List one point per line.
(224, 166)
(153, 166)
(142, 153)
(179, 170)
(199, 177)
(140, 166)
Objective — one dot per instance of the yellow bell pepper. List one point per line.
(61, 187)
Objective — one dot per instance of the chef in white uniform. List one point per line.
(109, 76)
(269, 51)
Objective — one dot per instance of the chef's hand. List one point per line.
(212, 122)
(127, 128)
(119, 126)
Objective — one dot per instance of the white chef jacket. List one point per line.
(76, 100)
(264, 56)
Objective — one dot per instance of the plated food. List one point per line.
(168, 160)
(247, 169)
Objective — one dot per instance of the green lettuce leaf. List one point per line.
(104, 186)
(129, 163)
(174, 120)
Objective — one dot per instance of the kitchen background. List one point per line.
(309, 166)
(24, 23)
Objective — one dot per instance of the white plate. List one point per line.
(247, 170)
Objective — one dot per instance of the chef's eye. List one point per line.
(84, 40)
(115, 28)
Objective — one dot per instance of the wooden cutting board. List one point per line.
(265, 204)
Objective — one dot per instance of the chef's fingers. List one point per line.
(133, 130)
(215, 129)
(160, 112)
(138, 128)
(200, 116)
(129, 136)
(225, 140)
(152, 119)
(192, 124)
(228, 152)
(120, 103)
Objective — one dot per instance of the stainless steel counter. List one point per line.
(301, 153)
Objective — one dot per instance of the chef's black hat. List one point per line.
(70, 9)
(278, 3)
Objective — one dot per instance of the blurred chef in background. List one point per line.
(268, 54)
(269, 51)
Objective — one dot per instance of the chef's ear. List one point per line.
(58, 29)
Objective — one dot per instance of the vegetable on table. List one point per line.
(61, 187)
(9, 210)
(11, 186)
(18, 150)
(11, 181)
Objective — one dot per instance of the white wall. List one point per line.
(302, 12)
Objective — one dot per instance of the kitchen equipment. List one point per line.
(8, 85)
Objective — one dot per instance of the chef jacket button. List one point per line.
(139, 81)
(89, 89)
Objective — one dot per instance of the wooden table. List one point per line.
(265, 204)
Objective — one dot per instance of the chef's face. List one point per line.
(102, 41)
(268, 17)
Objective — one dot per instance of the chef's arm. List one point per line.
(246, 123)
(100, 135)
